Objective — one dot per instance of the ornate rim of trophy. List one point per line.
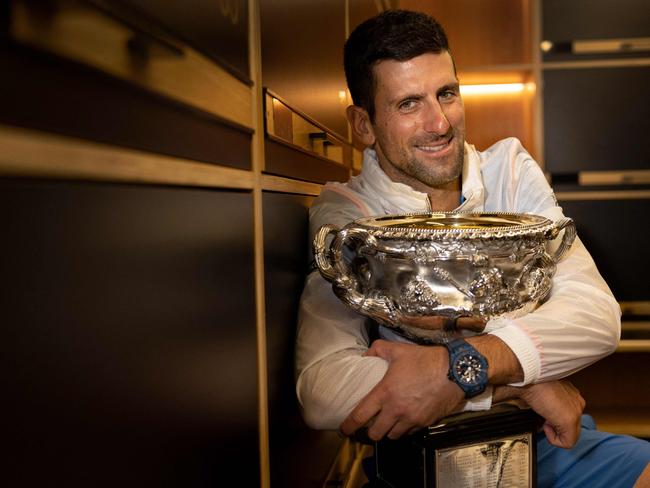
(400, 270)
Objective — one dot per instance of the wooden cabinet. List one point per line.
(491, 41)
(128, 320)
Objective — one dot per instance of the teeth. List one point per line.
(433, 148)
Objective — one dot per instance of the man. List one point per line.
(408, 111)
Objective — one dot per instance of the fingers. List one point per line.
(437, 322)
(402, 427)
(383, 349)
(362, 414)
(474, 324)
(558, 436)
(381, 425)
(430, 322)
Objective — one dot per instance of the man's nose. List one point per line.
(436, 121)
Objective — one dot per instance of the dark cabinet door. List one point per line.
(128, 329)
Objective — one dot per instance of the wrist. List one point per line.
(502, 393)
(468, 368)
(504, 365)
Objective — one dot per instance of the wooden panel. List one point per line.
(302, 61)
(220, 30)
(616, 396)
(129, 333)
(594, 19)
(128, 45)
(610, 230)
(284, 123)
(360, 10)
(489, 118)
(482, 32)
(300, 456)
(80, 101)
(27, 152)
(284, 160)
(584, 121)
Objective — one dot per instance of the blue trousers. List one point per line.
(598, 459)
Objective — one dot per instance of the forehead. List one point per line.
(426, 72)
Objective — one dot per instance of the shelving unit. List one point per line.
(499, 42)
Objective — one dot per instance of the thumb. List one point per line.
(552, 435)
(558, 438)
(381, 349)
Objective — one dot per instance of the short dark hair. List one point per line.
(394, 34)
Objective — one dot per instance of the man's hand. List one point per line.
(561, 405)
(559, 402)
(437, 322)
(414, 393)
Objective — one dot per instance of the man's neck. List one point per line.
(445, 198)
(442, 198)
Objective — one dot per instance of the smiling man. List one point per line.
(409, 113)
(418, 123)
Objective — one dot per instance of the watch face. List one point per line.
(469, 369)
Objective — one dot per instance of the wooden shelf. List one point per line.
(633, 421)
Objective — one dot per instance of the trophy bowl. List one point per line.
(424, 275)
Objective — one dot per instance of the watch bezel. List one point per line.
(461, 351)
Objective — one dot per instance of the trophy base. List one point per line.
(490, 449)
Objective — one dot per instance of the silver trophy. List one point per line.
(434, 275)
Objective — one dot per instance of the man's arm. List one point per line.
(332, 373)
(416, 390)
(580, 321)
(558, 402)
(413, 394)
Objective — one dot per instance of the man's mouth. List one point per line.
(435, 147)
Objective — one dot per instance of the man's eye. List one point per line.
(447, 94)
(407, 104)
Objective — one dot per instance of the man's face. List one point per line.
(419, 125)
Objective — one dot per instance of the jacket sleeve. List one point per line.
(580, 321)
(332, 373)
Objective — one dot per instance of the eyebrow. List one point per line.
(455, 87)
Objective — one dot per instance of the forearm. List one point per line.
(330, 389)
(504, 393)
(578, 324)
(332, 375)
(503, 364)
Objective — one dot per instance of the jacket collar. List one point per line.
(401, 198)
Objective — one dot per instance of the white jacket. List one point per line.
(576, 326)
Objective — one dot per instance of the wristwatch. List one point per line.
(468, 368)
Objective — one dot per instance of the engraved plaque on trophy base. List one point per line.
(474, 449)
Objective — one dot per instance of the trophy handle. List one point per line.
(569, 227)
(321, 256)
(346, 284)
(333, 266)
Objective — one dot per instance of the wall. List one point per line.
(155, 238)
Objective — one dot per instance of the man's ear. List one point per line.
(361, 125)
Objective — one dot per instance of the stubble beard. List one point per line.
(439, 174)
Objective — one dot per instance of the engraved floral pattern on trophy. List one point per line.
(401, 274)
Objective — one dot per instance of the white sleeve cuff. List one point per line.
(523, 346)
(482, 401)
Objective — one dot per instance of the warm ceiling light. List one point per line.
(546, 46)
(495, 88)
